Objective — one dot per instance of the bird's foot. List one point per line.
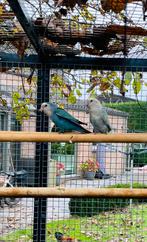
(61, 132)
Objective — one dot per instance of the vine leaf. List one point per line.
(137, 83)
(128, 78)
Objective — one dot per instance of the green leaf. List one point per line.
(93, 93)
(78, 92)
(136, 86)
(127, 82)
(104, 79)
(114, 73)
(16, 95)
(117, 82)
(28, 92)
(94, 73)
(56, 79)
(137, 76)
(128, 78)
(87, 15)
(72, 99)
(27, 101)
(145, 41)
(75, 18)
(83, 80)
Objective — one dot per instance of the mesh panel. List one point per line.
(49, 53)
(58, 164)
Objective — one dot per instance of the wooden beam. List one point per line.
(17, 136)
(82, 63)
(26, 24)
(54, 192)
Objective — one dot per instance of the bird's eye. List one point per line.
(45, 105)
(91, 101)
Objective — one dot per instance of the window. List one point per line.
(65, 153)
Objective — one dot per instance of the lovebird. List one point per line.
(63, 121)
(98, 116)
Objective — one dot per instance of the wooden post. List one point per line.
(62, 192)
(15, 136)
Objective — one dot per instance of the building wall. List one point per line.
(28, 149)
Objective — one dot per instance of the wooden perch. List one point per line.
(72, 192)
(17, 136)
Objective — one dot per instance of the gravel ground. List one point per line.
(21, 215)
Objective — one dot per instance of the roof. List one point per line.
(81, 106)
(98, 28)
(108, 98)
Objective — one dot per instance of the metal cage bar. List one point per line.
(41, 161)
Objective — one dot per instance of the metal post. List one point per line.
(42, 124)
(131, 173)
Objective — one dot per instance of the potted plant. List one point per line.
(59, 171)
(89, 167)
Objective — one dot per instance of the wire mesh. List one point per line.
(120, 165)
(82, 28)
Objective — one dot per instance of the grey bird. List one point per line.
(64, 122)
(98, 116)
(144, 8)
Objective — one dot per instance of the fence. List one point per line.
(104, 209)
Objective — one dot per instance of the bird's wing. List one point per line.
(62, 113)
(105, 119)
(55, 129)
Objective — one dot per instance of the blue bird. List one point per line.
(63, 121)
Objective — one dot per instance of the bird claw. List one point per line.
(70, 141)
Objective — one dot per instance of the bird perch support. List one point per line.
(73, 192)
(12, 136)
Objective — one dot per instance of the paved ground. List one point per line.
(21, 216)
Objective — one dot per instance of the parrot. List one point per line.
(61, 238)
(98, 116)
(64, 122)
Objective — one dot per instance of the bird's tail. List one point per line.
(86, 131)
